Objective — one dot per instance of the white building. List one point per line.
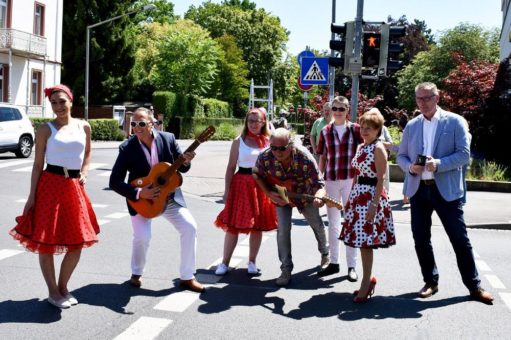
(505, 33)
(30, 52)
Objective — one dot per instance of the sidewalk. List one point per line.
(488, 210)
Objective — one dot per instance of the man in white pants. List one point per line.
(137, 156)
(337, 146)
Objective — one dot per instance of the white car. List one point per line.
(16, 131)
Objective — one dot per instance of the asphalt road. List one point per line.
(238, 306)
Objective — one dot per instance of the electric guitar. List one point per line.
(284, 189)
(165, 176)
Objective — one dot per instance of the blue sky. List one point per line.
(309, 21)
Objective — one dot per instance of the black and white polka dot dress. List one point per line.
(355, 231)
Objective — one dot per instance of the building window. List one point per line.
(36, 93)
(3, 13)
(38, 19)
(2, 83)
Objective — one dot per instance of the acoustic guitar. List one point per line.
(165, 176)
(284, 189)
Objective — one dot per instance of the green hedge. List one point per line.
(187, 127)
(216, 108)
(165, 102)
(102, 129)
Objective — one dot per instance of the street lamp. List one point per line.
(141, 9)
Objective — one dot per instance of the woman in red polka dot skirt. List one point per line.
(58, 216)
(368, 222)
(247, 209)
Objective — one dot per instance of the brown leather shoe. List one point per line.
(482, 296)
(427, 291)
(136, 281)
(193, 285)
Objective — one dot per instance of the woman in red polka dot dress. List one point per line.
(247, 209)
(58, 216)
(368, 222)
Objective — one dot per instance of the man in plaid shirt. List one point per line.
(288, 165)
(337, 146)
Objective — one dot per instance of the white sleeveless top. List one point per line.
(66, 148)
(247, 156)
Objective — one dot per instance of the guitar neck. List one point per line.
(180, 160)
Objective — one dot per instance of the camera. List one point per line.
(421, 160)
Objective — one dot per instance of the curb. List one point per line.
(491, 226)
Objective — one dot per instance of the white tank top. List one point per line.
(66, 148)
(247, 156)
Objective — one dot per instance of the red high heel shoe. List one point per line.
(370, 292)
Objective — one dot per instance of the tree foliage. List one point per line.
(471, 42)
(180, 57)
(258, 34)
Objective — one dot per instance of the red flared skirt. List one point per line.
(247, 208)
(61, 220)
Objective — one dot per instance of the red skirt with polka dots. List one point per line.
(247, 208)
(62, 219)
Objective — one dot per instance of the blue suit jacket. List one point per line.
(132, 160)
(451, 149)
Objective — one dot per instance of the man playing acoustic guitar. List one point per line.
(294, 168)
(137, 156)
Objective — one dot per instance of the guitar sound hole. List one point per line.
(161, 181)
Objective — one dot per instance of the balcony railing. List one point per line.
(22, 41)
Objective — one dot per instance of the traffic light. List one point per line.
(391, 48)
(371, 50)
(344, 45)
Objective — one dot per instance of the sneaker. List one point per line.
(221, 269)
(325, 261)
(332, 268)
(252, 268)
(71, 299)
(352, 275)
(283, 279)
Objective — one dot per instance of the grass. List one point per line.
(488, 171)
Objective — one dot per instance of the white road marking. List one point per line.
(102, 222)
(14, 163)
(483, 266)
(495, 281)
(476, 255)
(21, 200)
(105, 174)
(507, 299)
(5, 253)
(93, 166)
(96, 205)
(145, 328)
(241, 251)
(24, 169)
(117, 215)
(177, 302)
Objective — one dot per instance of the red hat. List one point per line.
(58, 88)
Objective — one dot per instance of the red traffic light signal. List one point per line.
(371, 49)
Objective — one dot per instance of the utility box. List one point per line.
(118, 113)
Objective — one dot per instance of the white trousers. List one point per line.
(185, 224)
(339, 190)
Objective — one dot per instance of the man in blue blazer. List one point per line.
(434, 148)
(136, 156)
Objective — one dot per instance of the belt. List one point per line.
(63, 171)
(368, 180)
(428, 181)
(245, 171)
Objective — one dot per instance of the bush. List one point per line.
(185, 127)
(216, 108)
(102, 129)
(225, 131)
(165, 102)
(488, 171)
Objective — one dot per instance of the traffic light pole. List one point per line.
(331, 72)
(356, 77)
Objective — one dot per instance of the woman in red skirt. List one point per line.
(58, 216)
(247, 209)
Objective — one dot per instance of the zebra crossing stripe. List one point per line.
(5, 253)
(145, 328)
(15, 163)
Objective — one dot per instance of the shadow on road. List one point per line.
(29, 311)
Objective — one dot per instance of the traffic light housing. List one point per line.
(371, 50)
(391, 48)
(343, 45)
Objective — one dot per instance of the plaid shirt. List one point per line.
(339, 151)
(303, 172)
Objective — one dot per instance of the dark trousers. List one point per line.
(426, 200)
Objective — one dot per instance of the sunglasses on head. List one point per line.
(341, 109)
(140, 123)
(279, 148)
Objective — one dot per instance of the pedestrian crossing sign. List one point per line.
(314, 71)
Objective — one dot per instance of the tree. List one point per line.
(260, 35)
(181, 57)
(470, 41)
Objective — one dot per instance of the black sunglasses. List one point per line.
(140, 123)
(341, 109)
(279, 148)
